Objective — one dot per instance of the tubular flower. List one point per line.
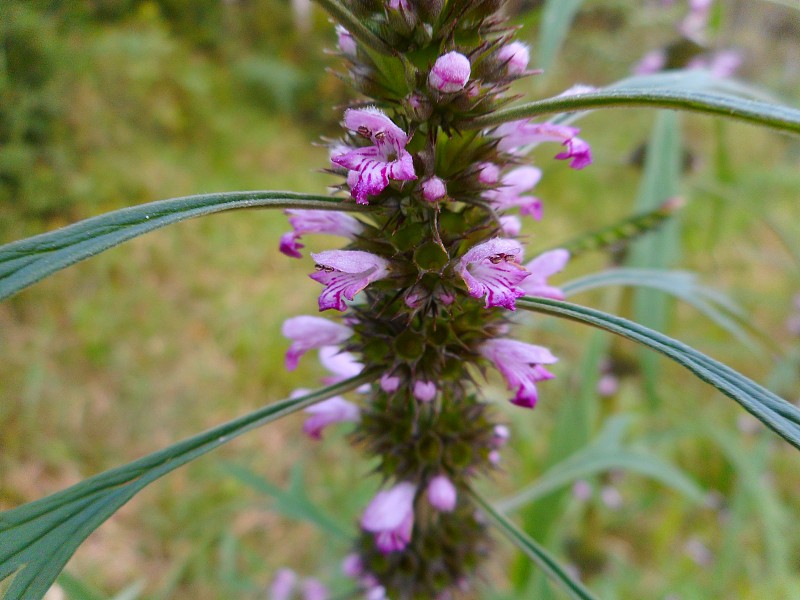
(345, 273)
(521, 366)
(371, 167)
(390, 516)
(442, 494)
(542, 267)
(317, 221)
(450, 73)
(518, 134)
(330, 411)
(510, 192)
(307, 333)
(491, 269)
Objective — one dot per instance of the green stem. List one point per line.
(778, 117)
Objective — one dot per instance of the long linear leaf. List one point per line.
(535, 552)
(766, 114)
(27, 261)
(775, 412)
(37, 539)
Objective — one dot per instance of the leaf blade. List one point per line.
(27, 261)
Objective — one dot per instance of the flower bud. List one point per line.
(515, 57)
(433, 189)
(450, 73)
(442, 494)
(424, 391)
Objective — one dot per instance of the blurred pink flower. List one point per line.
(390, 516)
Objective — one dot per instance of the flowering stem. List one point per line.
(355, 26)
(779, 117)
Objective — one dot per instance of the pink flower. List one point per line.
(650, 63)
(442, 494)
(510, 225)
(491, 269)
(345, 273)
(424, 391)
(694, 24)
(317, 221)
(371, 167)
(307, 333)
(510, 192)
(282, 585)
(347, 45)
(433, 189)
(450, 73)
(521, 366)
(390, 516)
(488, 173)
(342, 364)
(313, 589)
(517, 134)
(389, 383)
(330, 411)
(542, 267)
(515, 57)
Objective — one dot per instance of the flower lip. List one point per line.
(344, 273)
(491, 269)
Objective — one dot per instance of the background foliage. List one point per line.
(111, 103)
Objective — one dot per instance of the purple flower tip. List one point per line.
(521, 366)
(433, 189)
(345, 273)
(450, 73)
(347, 45)
(424, 391)
(578, 151)
(515, 56)
(307, 333)
(491, 269)
(542, 267)
(330, 411)
(442, 494)
(390, 516)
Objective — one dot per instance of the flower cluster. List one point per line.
(428, 281)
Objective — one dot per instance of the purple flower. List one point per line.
(283, 584)
(488, 173)
(517, 134)
(347, 45)
(515, 57)
(500, 435)
(342, 364)
(510, 192)
(542, 267)
(317, 221)
(521, 366)
(345, 273)
(433, 189)
(450, 73)
(307, 333)
(330, 411)
(390, 516)
(491, 269)
(510, 225)
(389, 383)
(650, 63)
(371, 167)
(442, 494)
(694, 24)
(314, 590)
(424, 391)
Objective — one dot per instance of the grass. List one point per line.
(180, 330)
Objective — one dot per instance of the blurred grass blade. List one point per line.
(685, 286)
(292, 502)
(554, 571)
(756, 112)
(27, 261)
(658, 249)
(557, 17)
(355, 26)
(625, 230)
(775, 412)
(37, 539)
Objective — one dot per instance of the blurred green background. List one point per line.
(109, 103)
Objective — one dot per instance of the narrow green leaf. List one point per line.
(355, 26)
(557, 17)
(766, 114)
(775, 412)
(554, 571)
(27, 261)
(39, 538)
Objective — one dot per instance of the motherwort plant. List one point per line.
(417, 305)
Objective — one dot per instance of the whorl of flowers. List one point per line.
(427, 280)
